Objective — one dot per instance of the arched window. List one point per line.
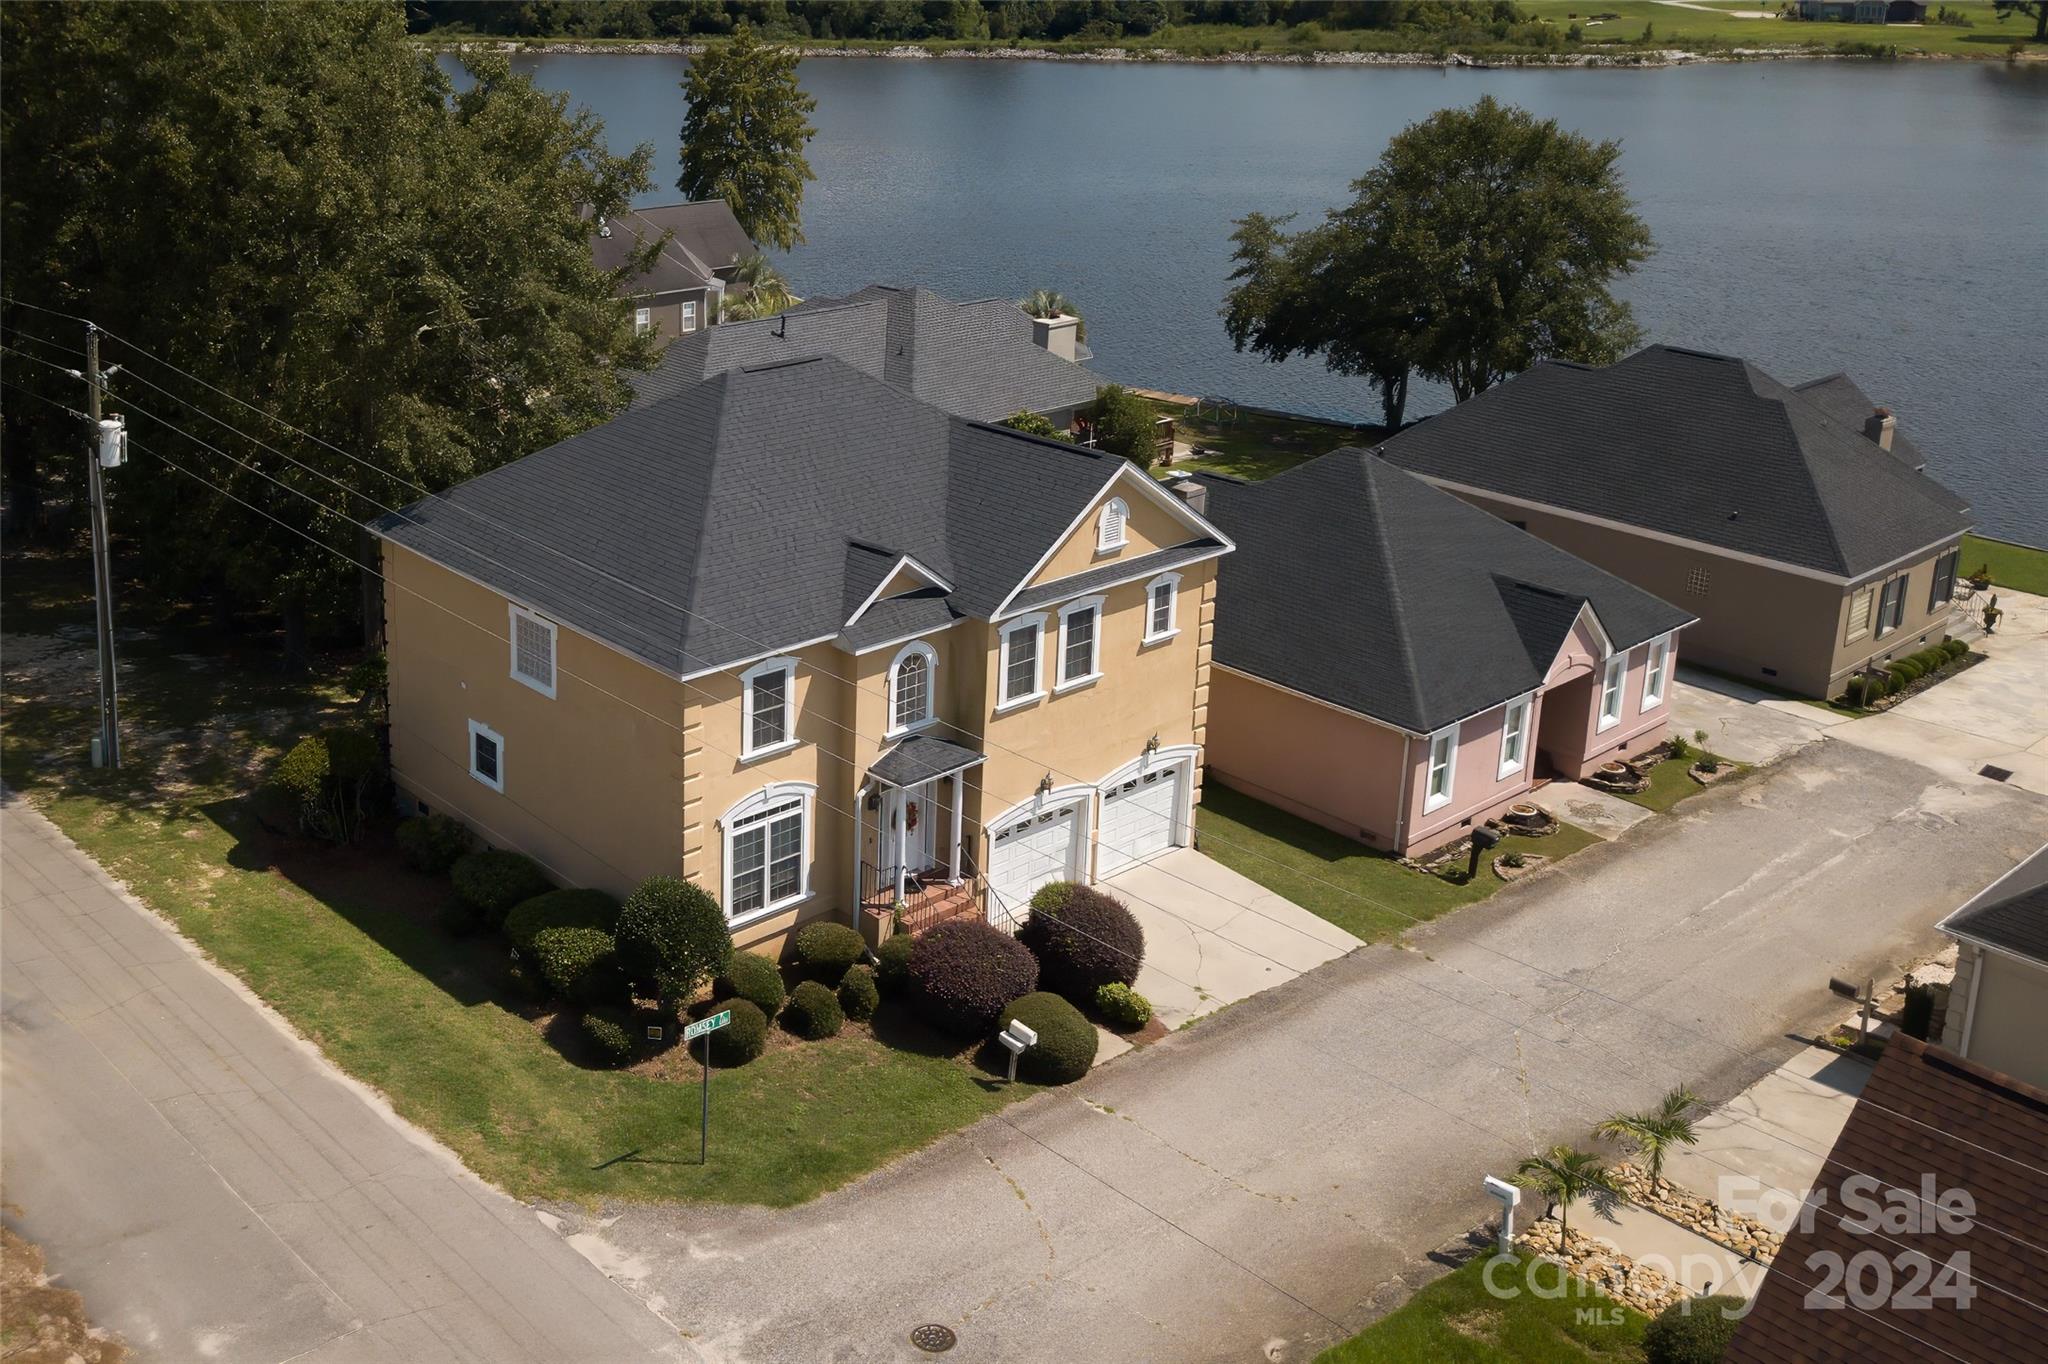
(768, 850)
(911, 679)
(1109, 531)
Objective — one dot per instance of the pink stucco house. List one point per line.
(1395, 664)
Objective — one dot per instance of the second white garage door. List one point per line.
(1141, 817)
(1032, 848)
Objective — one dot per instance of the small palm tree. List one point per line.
(765, 291)
(1052, 303)
(1657, 1133)
(1562, 1174)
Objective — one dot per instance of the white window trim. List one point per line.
(1005, 701)
(1103, 544)
(513, 615)
(643, 321)
(477, 727)
(916, 648)
(1617, 665)
(689, 315)
(773, 794)
(789, 740)
(1509, 766)
(1170, 580)
(1094, 674)
(1432, 801)
(1657, 664)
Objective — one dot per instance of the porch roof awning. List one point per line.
(920, 758)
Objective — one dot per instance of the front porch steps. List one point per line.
(934, 905)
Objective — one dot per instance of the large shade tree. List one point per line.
(293, 204)
(1483, 240)
(744, 135)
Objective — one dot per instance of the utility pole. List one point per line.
(108, 752)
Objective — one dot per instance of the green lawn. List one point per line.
(2019, 567)
(1669, 784)
(1256, 445)
(1366, 893)
(1696, 28)
(1456, 1320)
(344, 943)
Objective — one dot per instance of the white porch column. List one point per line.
(959, 793)
(860, 800)
(902, 839)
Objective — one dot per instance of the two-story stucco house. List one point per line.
(812, 643)
(1797, 523)
(1395, 664)
(702, 244)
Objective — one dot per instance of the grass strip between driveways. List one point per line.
(1366, 893)
(1457, 1320)
(1670, 784)
(2019, 567)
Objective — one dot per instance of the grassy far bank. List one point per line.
(1457, 1321)
(346, 943)
(1366, 893)
(2019, 567)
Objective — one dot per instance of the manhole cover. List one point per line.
(933, 1338)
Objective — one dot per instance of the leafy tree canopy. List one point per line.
(292, 203)
(744, 135)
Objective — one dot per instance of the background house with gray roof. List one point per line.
(702, 244)
(1998, 1003)
(1799, 524)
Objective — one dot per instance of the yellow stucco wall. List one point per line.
(1148, 527)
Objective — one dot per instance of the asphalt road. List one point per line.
(218, 1191)
(1243, 1190)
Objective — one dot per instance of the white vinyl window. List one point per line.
(768, 708)
(1859, 613)
(533, 649)
(1514, 736)
(767, 851)
(1610, 691)
(1080, 649)
(1109, 531)
(1162, 597)
(643, 321)
(1443, 763)
(689, 323)
(1022, 639)
(1654, 673)
(910, 687)
(486, 755)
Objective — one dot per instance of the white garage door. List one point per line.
(1031, 849)
(1141, 817)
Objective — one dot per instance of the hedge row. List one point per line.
(1864, 688)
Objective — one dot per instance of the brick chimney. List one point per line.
(1879, 426)
(1056, 334)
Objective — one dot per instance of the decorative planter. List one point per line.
(1531, 862)
(1706, 778)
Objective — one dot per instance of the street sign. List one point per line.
(704, 1025)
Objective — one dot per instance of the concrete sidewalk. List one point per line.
(218, 1191)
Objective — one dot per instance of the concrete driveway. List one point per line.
(1213, 937)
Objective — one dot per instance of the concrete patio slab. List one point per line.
(1597, 812)
(1679, 1253)
(1745, 723)
(1213, 937)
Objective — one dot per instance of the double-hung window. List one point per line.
(533, 649)
(643, 321)
(910, 687)
(1891, 606)
(1080, 649)
(767, 851)
(1021, 646)
(1514, 736)
(1944, 580)
(1654, 673)
(1443, 763)
(689, 323)
(486, 755)
(1162, 597)
(768, 704)
(1610, 691)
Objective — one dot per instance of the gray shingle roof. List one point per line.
(705, 239)
(1144, 566)
(1363, 586)
(2011, 914)
(1705, 447)
(920, 758)
(721, 522)
(976, 360)
(913, 613)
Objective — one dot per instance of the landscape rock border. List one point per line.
(1645, 1288)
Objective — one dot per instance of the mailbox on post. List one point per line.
(1016, 1039)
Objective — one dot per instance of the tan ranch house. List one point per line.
(812, 643)
(1998, 1004)
(1797, 523)
(1397, 665)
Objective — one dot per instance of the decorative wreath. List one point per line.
(910, 818)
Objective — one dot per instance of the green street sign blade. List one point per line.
(704, 1025)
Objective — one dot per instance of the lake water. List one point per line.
(1886, 220)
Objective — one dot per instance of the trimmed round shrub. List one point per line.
(1695, 1336)
(431, 843)
(754, 978)
(610, 1034)
(813, 1011)
(324, 780)
(491, 881)
(892, 962)
(580, 963)
(963, 972)
(739, 1041)
(823, 951)
(1083, 941)
(1066, 1040)
(1124, 1007)
(1903, 675)
(1955, 648)
(859, 996)
(672, 938)
(1050, 897)
(560, 909)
